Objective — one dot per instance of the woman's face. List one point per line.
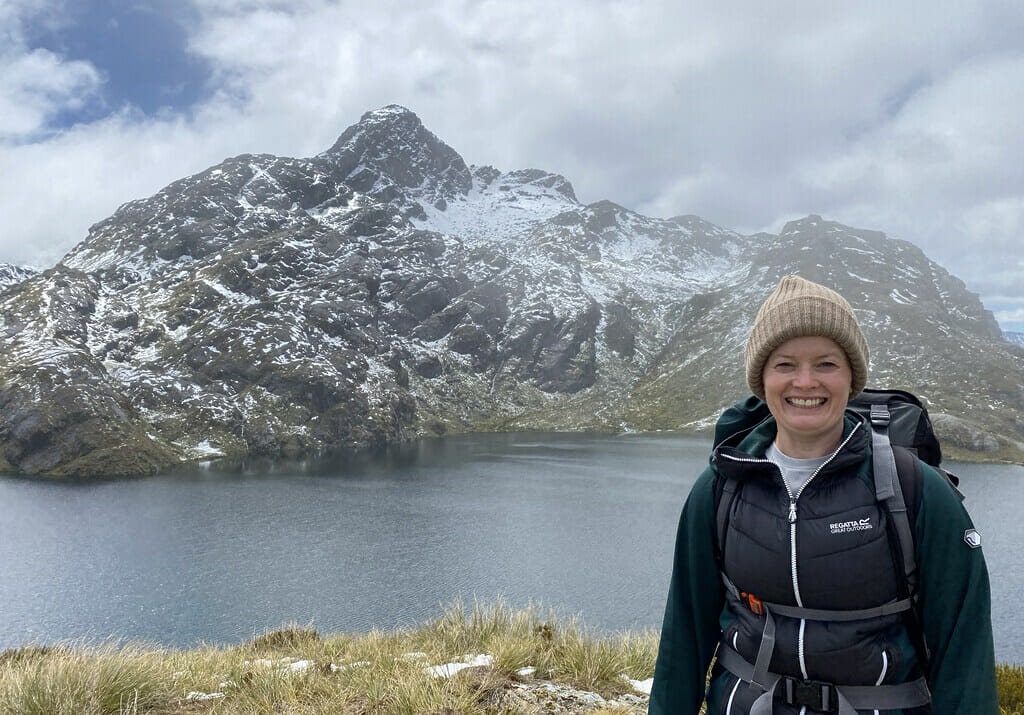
(807, 384)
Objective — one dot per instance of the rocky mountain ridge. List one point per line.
(385, 289)
(11, 275)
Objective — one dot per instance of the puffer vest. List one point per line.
(816, 603)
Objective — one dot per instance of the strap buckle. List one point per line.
(880, 416)
(815, 695)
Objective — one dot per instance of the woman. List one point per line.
(794, 587)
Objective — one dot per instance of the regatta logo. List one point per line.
(845, 527)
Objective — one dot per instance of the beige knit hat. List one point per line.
(796, 308)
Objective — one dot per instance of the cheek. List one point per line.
(844, 384)
(770, 380)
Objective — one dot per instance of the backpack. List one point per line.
(901, 434)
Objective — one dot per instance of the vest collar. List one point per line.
(756, 443)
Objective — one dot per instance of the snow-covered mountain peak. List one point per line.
(11, 275)
(389, 153)
(391, 124)
(809, 222)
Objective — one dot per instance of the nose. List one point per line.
(804, 377)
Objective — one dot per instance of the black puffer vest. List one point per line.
(816, 604)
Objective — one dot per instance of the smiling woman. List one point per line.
(140, 51)
(809, 612)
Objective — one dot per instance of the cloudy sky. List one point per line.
(898, 116)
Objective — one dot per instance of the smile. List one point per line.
(806, 401)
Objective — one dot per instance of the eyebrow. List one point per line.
(789, 356)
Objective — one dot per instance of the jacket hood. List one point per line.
(739, 419)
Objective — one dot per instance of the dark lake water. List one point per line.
(580, 524)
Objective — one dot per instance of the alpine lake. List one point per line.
(578, 524)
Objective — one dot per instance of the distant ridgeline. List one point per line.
(385, 289)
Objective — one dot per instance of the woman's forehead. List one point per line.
(817, 345)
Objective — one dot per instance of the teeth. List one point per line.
(808, 402)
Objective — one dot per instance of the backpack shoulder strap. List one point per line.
(889, 488)
(898, 478)
(908, 468)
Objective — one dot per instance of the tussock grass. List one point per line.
(287, 639)
(299, 671)
(565, 652)
(104, 679)
(1011, 689)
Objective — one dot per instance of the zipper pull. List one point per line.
(792, 512)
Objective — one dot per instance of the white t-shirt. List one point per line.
(795, 471)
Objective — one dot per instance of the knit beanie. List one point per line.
(798, 308)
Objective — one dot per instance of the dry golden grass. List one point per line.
(296, 670)
(1011, 689)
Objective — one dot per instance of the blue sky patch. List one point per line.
(139, 47)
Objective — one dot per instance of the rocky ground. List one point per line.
(526, 693)
(547, 697)
(531, 695)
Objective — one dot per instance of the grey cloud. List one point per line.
(899, 117)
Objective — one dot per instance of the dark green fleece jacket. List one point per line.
(954, 590)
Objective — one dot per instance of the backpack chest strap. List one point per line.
(815, 614)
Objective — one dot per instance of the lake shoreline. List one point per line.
(217, 461)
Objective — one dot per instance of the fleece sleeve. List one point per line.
(956, 604)
(690, 629)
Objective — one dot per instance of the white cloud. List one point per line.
(51, 192)
(36, 84)
(899, 117)
(1012, 319)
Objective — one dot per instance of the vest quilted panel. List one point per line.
(843, 559)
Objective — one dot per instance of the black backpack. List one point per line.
(900, 431)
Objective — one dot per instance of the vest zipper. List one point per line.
(793, 498)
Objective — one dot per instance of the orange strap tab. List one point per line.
(753, 602)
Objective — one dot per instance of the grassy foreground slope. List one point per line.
(485, 659)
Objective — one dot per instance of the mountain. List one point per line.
(13, 275)
(385, 289)
(1015, 338)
